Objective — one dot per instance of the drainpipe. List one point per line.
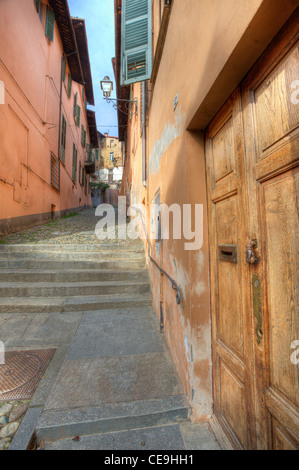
(60, 109)
(143, 134)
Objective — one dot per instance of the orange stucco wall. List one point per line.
(209, 46)
(30, 67)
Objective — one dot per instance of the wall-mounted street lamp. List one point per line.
(129, 107)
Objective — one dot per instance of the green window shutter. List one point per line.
(69, 85)
(78, 114)
(74, 172)
(38, 5)
(80, 172)
(63, 139)
(50, 23)
(75, 105)
(63, 69)
(84, 138)
(136, 41)
(85, 105)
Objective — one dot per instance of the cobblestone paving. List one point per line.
(79, 228)
(11, 416)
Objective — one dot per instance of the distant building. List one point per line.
(109, 165)
(46, 131)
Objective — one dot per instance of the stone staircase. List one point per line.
(118, 376)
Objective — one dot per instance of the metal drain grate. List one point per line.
(22, 372)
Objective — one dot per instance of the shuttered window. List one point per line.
(78, 115)
(55, 172)
(75, 105)
(63, 69)
(80, 172)
(83, 136)
(69, 85)
(63, 139)
(50, 23)
(74, 169)
(136, 41)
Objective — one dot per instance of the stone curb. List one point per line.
(24, 434)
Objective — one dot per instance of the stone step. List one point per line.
(101, 247)
(62, 424)
(71, 275)
(67, 289)
(124, 264)
(157, 438)
(73, 256)
(72, 304)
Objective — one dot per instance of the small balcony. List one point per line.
(89, 163)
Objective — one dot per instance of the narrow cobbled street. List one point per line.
(110, 382)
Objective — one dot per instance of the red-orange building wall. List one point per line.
(30, 68)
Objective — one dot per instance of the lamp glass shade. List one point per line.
(107, 86)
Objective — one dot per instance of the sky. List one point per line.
(99, 22)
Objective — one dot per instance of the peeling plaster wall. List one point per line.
(171, 132)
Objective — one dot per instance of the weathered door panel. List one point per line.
(228, 230)
(252, 156)
(271, 123)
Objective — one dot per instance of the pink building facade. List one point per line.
(46, 131)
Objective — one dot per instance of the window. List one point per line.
(74, 169)
(136, 41)
(55, 172)
(78, 115)
(69, 85)
(111, 156)
(89, 152)
(50, 23)
(63, 69)
(77, 110)
(39, 8)
(75, 105)
(63, 139)
(83, 136)
(111, 143)
(81, 174)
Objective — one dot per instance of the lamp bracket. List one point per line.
(128, 107)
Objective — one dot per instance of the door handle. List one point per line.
(251, 256)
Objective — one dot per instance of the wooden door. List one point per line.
(252, 153)
(232, 346)
(271, 123)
